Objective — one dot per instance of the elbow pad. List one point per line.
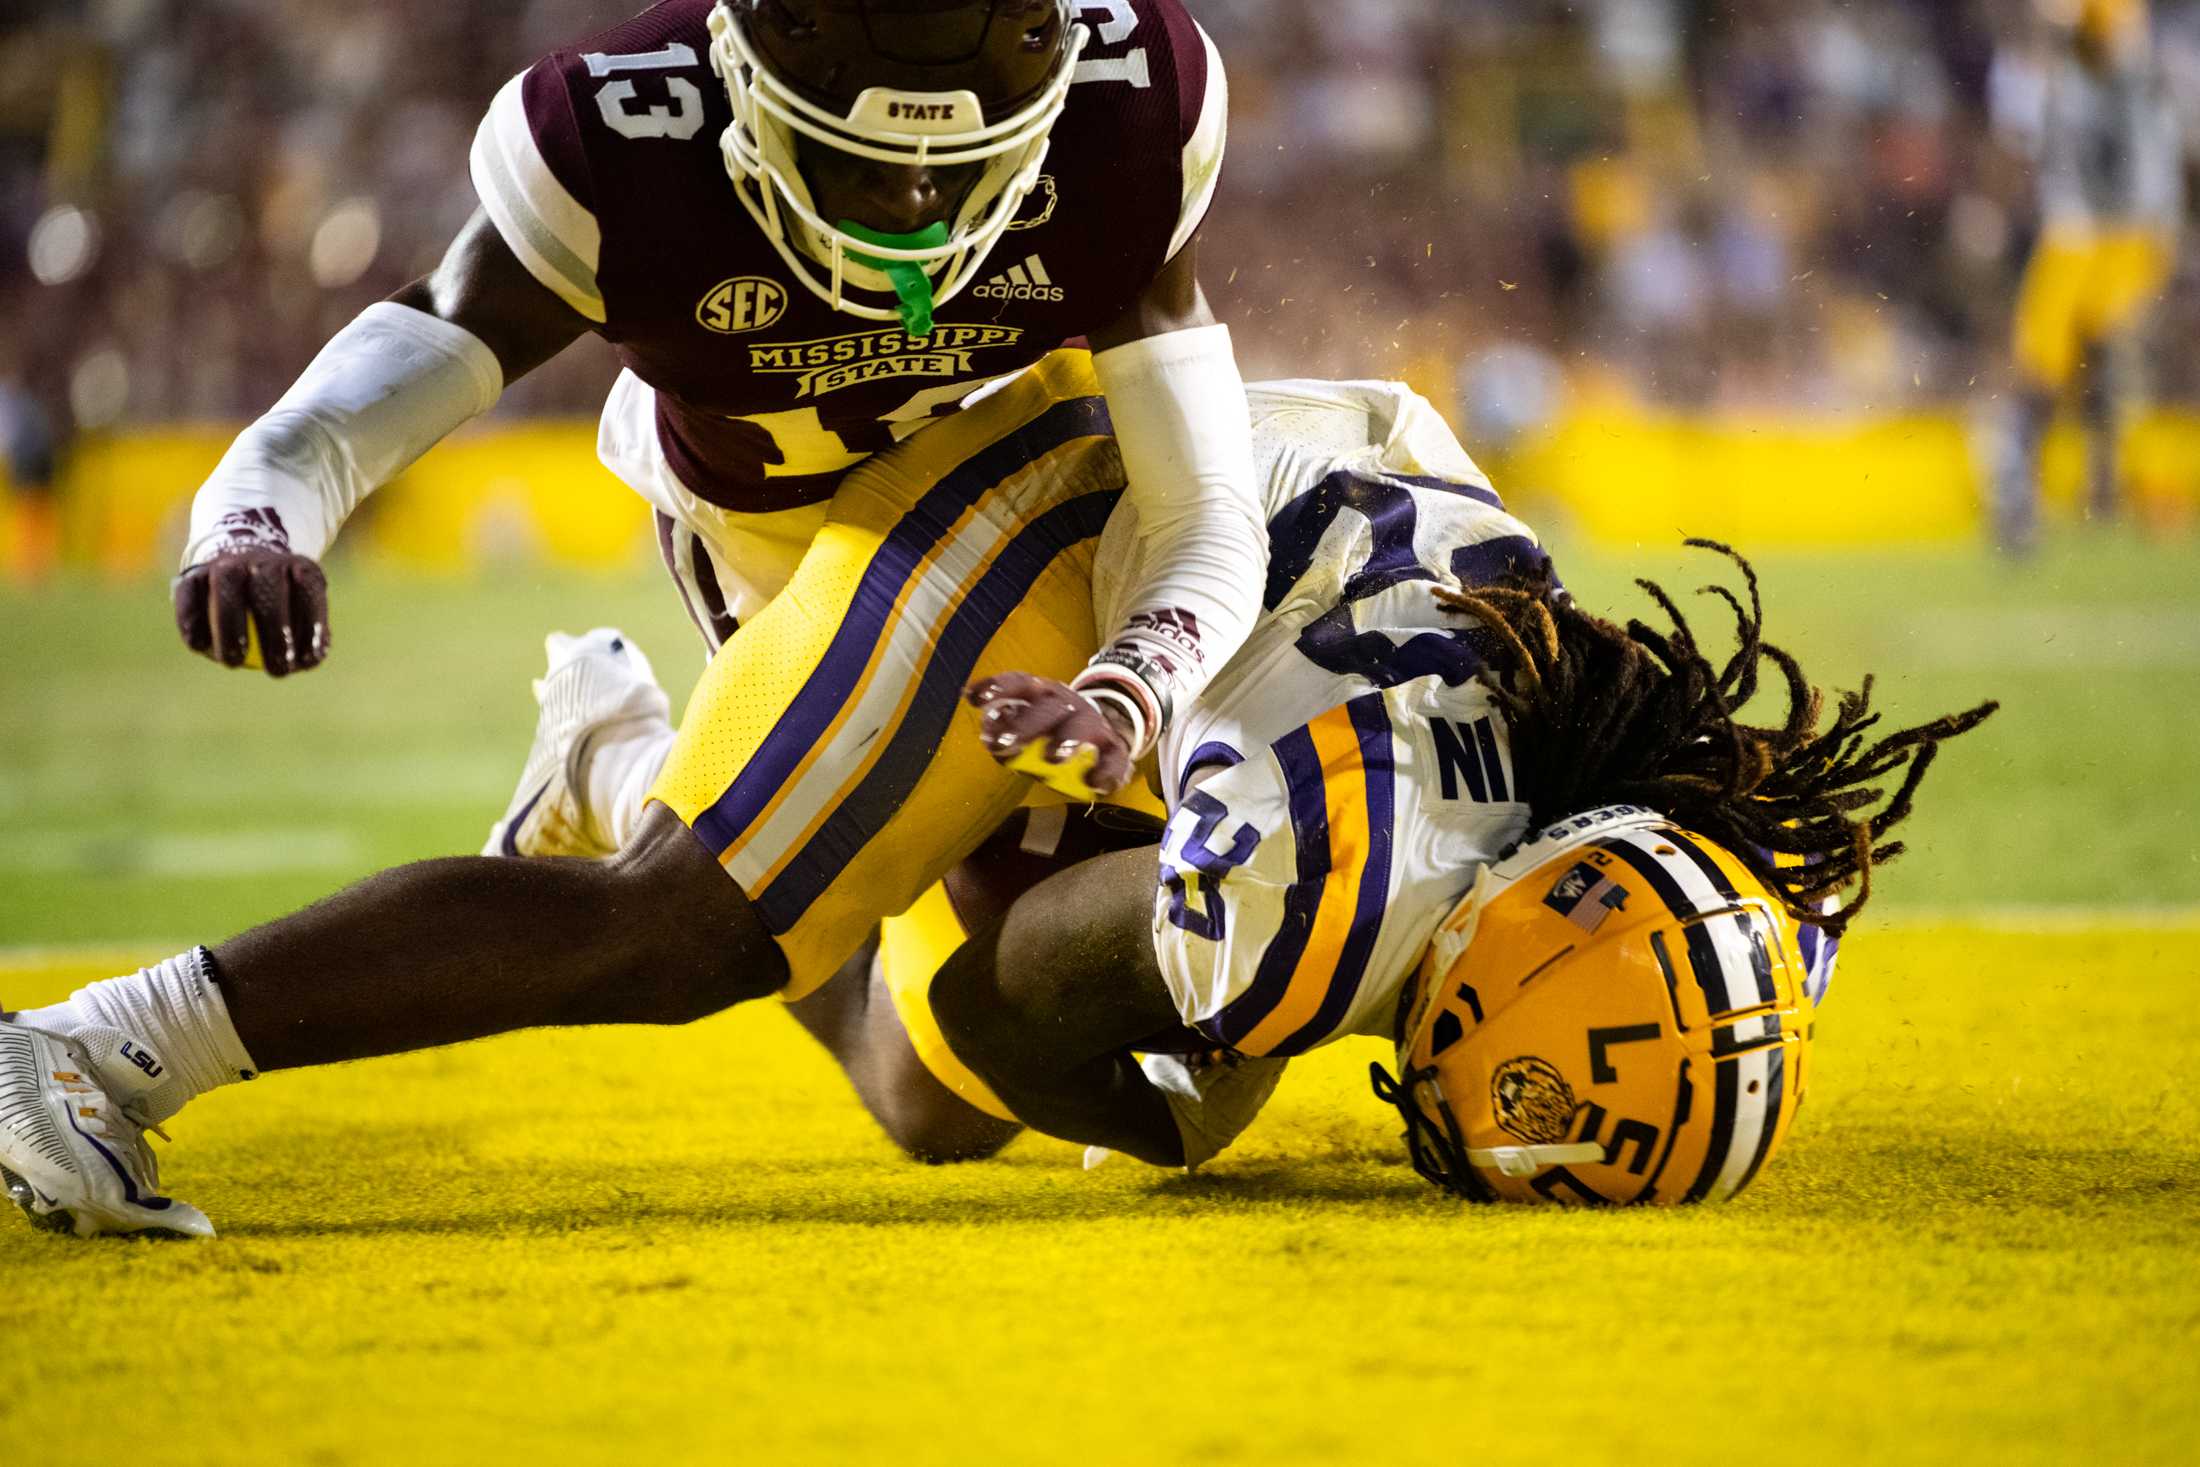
(1186, 436)
(385, 390)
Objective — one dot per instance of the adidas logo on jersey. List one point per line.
(1026, 282)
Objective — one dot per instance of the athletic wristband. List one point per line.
(1135, 680)
(1107, 693)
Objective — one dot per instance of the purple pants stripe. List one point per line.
(834, 679)
(916, 740)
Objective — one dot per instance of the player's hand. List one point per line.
(1039, 727)
(255, 606)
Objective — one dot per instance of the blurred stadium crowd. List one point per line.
(1790, 204)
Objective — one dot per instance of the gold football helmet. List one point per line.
(1617, 1013)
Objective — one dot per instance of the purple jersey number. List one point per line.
(1205, 865)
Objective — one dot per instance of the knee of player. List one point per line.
(693, 945)
(989, 1035)
(942, 1131)
(968, 1006)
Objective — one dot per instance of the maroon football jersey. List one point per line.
(600, 166)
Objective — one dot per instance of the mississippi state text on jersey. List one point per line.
(600, 167)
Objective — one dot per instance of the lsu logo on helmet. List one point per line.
(1617, 1013)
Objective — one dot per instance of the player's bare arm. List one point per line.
(855, 1017)
(1174, 302)
(481, 287)
(1047, 1004)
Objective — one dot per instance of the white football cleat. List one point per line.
(596, 684)
(72, 1155)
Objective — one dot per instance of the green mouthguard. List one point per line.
(911, 285)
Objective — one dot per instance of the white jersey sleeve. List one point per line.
(553, 233)
(1300, 886)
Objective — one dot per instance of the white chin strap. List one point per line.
(1526, 1161)
(910, 129)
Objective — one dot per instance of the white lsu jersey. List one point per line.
(1336, 789)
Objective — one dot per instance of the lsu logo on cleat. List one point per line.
(137, 1055)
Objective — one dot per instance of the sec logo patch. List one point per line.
(745, 303)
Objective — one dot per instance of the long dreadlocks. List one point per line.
(1610, 715)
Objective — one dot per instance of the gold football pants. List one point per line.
(2080, 290)
(826, 757)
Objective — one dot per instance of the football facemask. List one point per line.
(862, 272)
(1615, 1014)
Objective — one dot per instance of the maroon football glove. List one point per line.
(1039, 727)
(253, 602)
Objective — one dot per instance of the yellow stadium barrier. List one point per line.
(524, 493)
(1618, 477)
(1625, 478)
(513, 494)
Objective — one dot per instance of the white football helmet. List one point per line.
(857, 273)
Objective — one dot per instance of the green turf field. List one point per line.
(686, 1246)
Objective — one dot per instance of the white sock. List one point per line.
(177, 1023)
(622, 766)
